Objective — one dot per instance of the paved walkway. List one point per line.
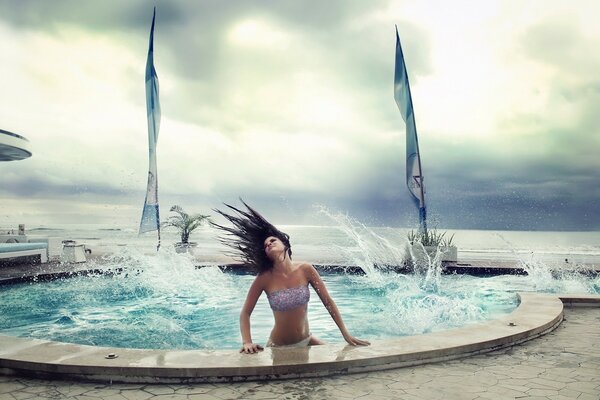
(564, 364)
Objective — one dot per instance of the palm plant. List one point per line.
(432, 245)
(430, 237)
(185, 222)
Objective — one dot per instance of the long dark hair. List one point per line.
(248, 235)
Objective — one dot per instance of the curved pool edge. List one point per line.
(536, 315)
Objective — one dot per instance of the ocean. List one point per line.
(349, 242)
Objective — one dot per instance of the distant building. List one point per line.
(13, 147)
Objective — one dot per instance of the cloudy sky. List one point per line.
(289, 104)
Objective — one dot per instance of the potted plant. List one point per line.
(429, 243)
(185, 224)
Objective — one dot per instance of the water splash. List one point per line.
(370, 251)
(374, 253)
(167, 272)
(553, 278)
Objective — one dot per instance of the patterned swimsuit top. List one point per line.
(288, 299)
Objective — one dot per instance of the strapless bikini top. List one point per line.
(288, 299)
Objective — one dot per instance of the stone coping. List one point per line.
(536, 315)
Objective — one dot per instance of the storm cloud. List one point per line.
(289, 105)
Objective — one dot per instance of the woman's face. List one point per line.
(273, 247)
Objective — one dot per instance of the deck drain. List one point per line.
(110, 356)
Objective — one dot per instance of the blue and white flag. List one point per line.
(414, 175)
(150, 216)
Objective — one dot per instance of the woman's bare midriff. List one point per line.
(291, 326)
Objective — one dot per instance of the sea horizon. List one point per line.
(348, 241)
(134, 227)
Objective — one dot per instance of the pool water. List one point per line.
(170, 304)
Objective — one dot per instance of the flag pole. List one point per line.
(158, 245)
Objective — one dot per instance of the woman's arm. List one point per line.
(317, 283)
(254, 293)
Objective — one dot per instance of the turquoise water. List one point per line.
(163, 302)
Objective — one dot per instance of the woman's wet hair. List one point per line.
(248, 235)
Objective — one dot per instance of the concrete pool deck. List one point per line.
(51, 270)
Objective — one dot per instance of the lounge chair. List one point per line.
(18, 250)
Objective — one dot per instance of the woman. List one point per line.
(266, 249)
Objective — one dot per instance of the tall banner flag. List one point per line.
(150, 215)
(414, 175)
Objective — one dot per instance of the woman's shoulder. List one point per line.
(262, 278)
(306, 268)
(303, 265)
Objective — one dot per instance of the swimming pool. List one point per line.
(172, 305)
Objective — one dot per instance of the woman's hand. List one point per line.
(251, 348)
(356, 342)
